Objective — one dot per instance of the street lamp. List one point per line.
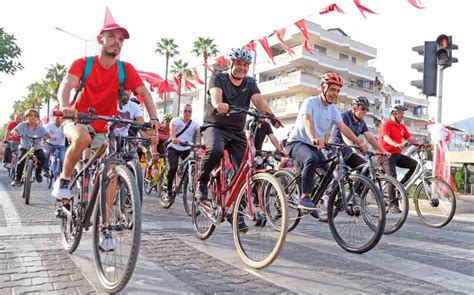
(78, 37)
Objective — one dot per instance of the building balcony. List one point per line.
(409, 114)
(288, 111)
(325, 62)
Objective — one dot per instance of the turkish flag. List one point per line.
(330, 8)
(196, 76)
(280, 36)
(265, 45)
(304, 31)
(362, 8)
(221, 61)
(164, 86)
(189, 85)
(416, 3)
(251, 46)
(149, 74)
(208, 67)
(176, 81)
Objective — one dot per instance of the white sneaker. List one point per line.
(61, 190)
(107, 242)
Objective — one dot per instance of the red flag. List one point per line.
(189, 85)
(221, 61)
(164, 86)
(251, 46)
(304, 31)
(196, 76)
(362, 8)
(176, 81)
(416, 3)
(265, 45)
(149, 74)
(330, 8)
(208, 67)
(280, 36)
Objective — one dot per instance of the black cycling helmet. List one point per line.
(240, 54)
(361, 101)
(397, 108)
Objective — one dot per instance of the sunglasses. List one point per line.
(187, 111)
(364, 109)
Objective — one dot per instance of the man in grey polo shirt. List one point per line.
(316, 116)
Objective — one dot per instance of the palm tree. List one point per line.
(168, 48)
(206, 48)
(180, 68)
(54, 77)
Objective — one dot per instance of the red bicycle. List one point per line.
(255, 196)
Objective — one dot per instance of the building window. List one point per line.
(353, 60)
(272, 77)
(320, 49)
(343, 56)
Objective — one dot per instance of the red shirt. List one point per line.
(397, 132)
(101, 89)
(10, 127)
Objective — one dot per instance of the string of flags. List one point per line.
(157, 83)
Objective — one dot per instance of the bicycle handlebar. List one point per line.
(87, 118)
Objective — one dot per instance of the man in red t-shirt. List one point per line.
(392, 134)
(100, 91)
(11, 141)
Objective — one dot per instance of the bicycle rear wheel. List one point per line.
(71, 224)
(393, 220)
(27, 184)
(359, 228)
(260, 244)
(435, 202)
(117, 253)
(291, 189)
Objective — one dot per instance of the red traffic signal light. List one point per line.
(443, 41)
(443, 50)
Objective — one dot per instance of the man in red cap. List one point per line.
(101, 92)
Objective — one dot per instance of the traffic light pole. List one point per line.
(439, 93)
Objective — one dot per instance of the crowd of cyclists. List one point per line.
(222, 129)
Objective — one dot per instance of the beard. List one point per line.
(111, 53)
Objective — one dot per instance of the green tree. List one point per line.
(169, 49)
(9, 53)
(179, 68)
(206, 48)
(54, 76)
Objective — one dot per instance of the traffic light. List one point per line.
(428, 67)
(444, 48)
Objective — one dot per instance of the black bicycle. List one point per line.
(355, 207)
(27, 177)
(112, 207)
(183, 181)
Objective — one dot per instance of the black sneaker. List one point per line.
(39, 178)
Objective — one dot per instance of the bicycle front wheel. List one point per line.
(116, 242)
(357, 224)
(27, 184)
(291, 189)
(257, 243)
(203, 225)
(435, 202)
(71, 223)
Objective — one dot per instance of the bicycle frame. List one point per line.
(420, 172)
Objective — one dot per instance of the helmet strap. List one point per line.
(324, 94)
(236, 78)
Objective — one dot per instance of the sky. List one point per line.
(395, 29)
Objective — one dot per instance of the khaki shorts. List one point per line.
(97, 138)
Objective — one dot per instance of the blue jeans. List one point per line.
(50, 150)
(309, 157)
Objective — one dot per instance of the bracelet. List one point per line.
(154, 118)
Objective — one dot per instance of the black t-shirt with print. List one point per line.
(233, 95)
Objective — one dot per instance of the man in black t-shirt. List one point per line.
(263, 129)
(222, 130)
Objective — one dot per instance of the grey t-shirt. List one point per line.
(39, 131)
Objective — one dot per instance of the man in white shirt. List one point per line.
(54, 128)
(129, 110)
(177, 135)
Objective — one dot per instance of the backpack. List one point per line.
(87, 70)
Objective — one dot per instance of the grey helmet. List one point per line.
(240, 54)
(397, 108)
(361, 101)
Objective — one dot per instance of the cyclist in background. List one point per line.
(11, 142)
(54, 128)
